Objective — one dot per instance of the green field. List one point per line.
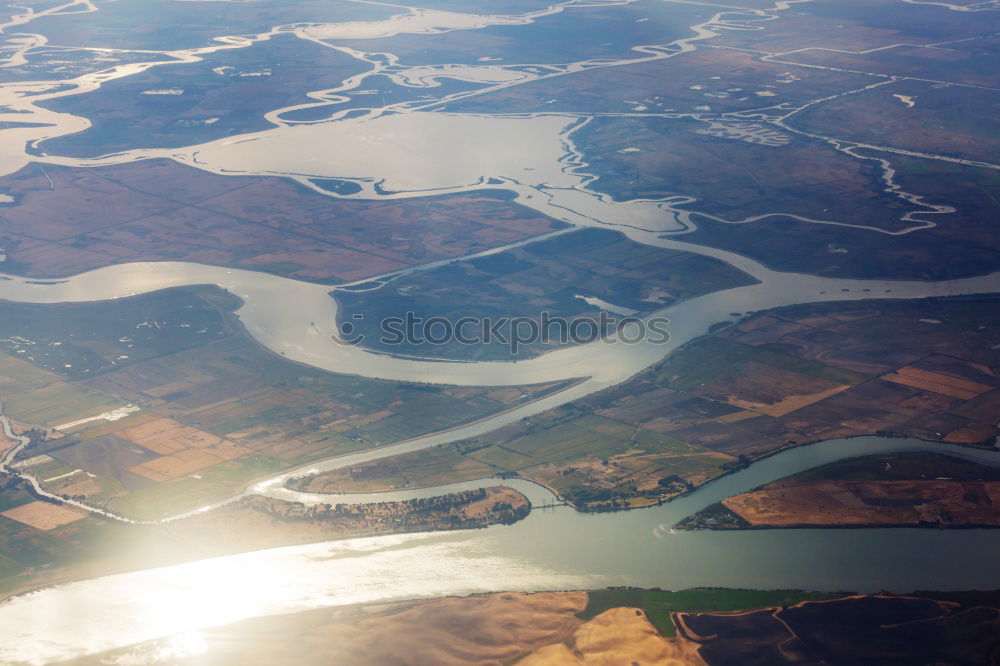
(199, 369)
(58, 403)
(896, 467)
(12, 497)
(19, 375)
(590, 437)
(711, 357)
(29, 547)
(50, 468)
(563, 437)
(169, 497)
(658, 604)
(80, 340)
(431, 467)
(9, 568)
(178, 495)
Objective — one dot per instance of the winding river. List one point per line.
(387, 153)
(298, 320)
(551, 549)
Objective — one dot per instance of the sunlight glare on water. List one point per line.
(179, 600)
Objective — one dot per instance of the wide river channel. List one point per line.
(533, 157)
(555, 548)
(551, 549)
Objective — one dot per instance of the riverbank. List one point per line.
(777, 380)
(896, 490)
(220, 532)
(257, 522)
(696, 627)
(550, 549)
(134, 443)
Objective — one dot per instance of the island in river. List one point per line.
(844, 158)
(47, 543)
(777, 379)
(894, 490)
(781, 378)
(265, 522)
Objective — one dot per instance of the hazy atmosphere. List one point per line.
(597, 332)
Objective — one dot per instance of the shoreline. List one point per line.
(108, 569)
(770, 454)
(851, 526)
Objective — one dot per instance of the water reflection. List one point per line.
(551, 549)
(97, 615)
